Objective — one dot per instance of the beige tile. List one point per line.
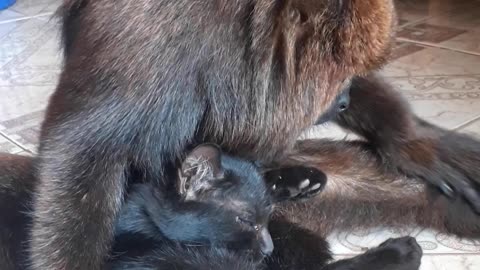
(441, 252)
(29, 67)
(448, 101)
(472, 129)
(447, 114)
(450, 262)
(464, 18)
(7, 146)
(36, 66)
(31, 7)
(48, 55)
(53, 6)
(8, 15)
(431, 241)
(21, 112)
(411, 11)
(37, 60)
(469, 41)
(25, 153)
(24, 36)
(327, 130)
(21, 100)
(414, 10)
(24, 129)
(6, 28)
(424, 32)
(404, 48)
(29, 76)
(442, 261)
(433, 61)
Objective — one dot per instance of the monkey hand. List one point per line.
(449, 161)
(459, 156)
(294, 183)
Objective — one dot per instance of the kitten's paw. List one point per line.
(450, 162)
(294, 183)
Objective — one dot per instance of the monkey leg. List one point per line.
(360, 193)
(409, 145)
(81, 181)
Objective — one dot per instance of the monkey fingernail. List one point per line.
(447, 189)
(473, 197)
(305, 183)
(316, 186)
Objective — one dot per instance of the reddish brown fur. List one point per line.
(422, 152)
(391, 179)
(143, 81)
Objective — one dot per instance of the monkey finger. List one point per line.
(459, 184)
(472, 196)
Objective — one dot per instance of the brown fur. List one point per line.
(144, 81)
(387, 179)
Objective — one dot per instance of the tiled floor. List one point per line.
(436, 65)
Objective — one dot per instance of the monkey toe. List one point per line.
(461, 186)
(296, 182)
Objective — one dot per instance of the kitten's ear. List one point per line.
(199, 169)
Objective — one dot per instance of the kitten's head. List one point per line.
(232, 196)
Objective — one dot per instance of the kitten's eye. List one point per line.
(247, 222)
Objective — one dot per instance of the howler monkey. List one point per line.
(145, 81)
(407, 172)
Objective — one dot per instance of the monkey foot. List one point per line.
(294, 183)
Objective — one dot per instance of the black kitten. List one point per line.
(223, 205)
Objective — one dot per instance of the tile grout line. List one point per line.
(432, 254)
(26, 18)
(2, 134)
(433, 45)
(432, 76)
(415, 22)
(466, 123)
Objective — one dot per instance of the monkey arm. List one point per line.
(407, 144)
(82, 176)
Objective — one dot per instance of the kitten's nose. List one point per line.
(266, 243)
